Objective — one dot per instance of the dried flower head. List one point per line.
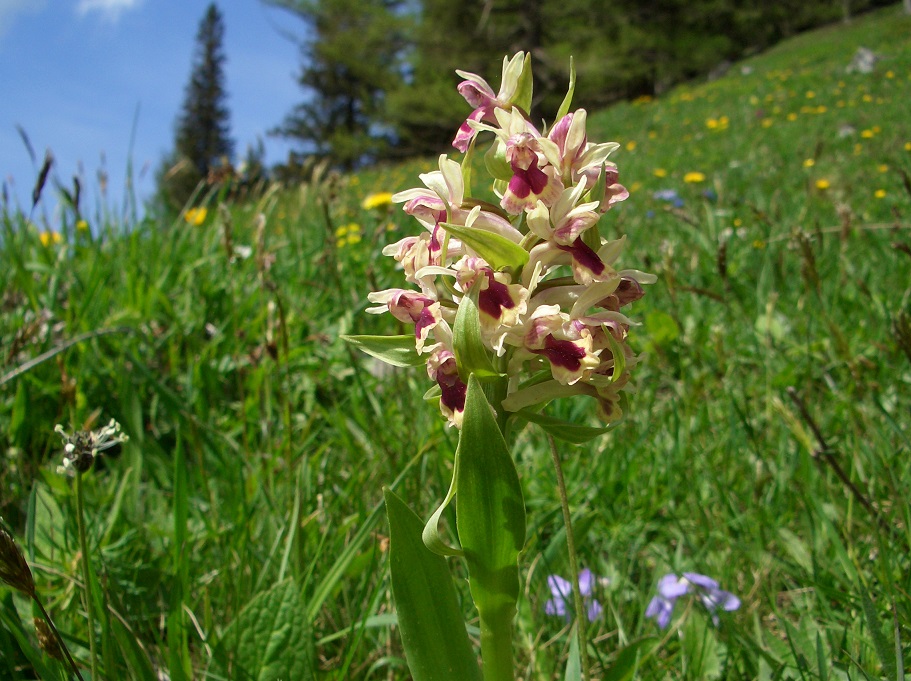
(81, 448)
(47, 641)
(14, 569)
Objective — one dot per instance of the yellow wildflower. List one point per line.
(822, 184)
(195, 216)
(766, 122)
(48, 238)
(866, 134)
(809, 163)
(792, 116)
(883, 168)
(378, 200)
(880, 193)
(82, 226)
(631, 145)
(660, 172)
(694, 176)
(907, 146)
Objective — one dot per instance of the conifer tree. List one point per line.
(351, 59)
(202, 139)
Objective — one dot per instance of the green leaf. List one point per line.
(629, 659)
(881, 644)
(701, 648)
(270, 639)
(568, 99)
(433, 538)
(495, 162)
(574, 663)
(499, 252)
(399, 351)
(472, 356)
(525, 87)
(564, 430)
(430, 620)
(619, 357)
(490, 509)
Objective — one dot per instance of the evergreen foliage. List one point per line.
(380, 74)
(351, 61)
(203, 137)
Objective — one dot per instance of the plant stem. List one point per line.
(496, 647)
(86, 574)
(573, 562)
(66, 651)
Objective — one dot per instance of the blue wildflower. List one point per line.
(562, 592)
(670, 196)
(670, 588)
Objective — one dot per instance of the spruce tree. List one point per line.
(202, 139)
(351, 59)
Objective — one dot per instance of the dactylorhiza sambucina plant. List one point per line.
(513, 304)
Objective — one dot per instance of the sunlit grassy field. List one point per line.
(767, 444)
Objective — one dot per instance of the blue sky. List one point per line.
(76, 73)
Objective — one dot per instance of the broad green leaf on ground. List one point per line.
(270, 639)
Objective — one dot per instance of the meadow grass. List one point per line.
(766, 445)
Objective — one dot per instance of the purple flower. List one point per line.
(562, 592)
(670, 196)
(671, 587)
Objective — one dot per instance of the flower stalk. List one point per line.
(86, 574)
(578, 603)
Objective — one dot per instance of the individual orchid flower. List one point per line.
(442, 368)
(478, 93)
(533, 162)
(671, 587)
(409, 306)
(568, 347)
(443, 200)
(561, 229)
(570, 137)
(501, 303)
(561, 591)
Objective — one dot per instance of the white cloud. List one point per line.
(9, 9)
(108, 9)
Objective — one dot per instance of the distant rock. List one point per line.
(863, 62)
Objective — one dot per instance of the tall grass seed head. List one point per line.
(14, 570)
(46, 639)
